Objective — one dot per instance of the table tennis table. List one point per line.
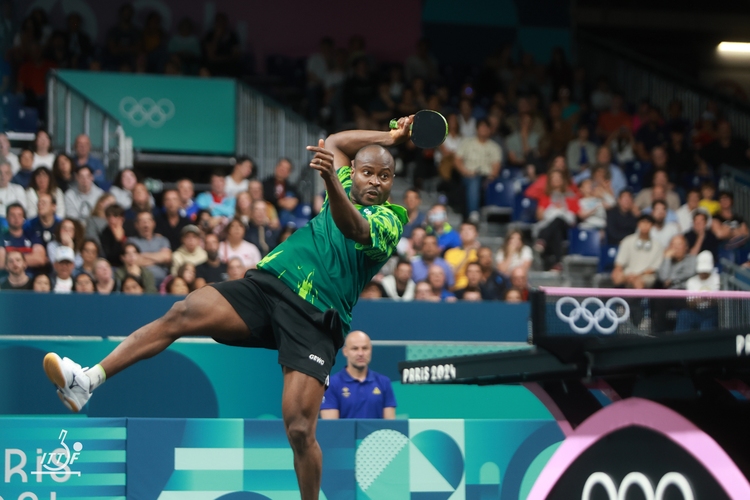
(684, 397)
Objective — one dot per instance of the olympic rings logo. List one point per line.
(147, 111)
(593, 319)
(639, 480)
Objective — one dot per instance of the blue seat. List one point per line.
(500, 193)
(584, 242)
(11, 105)
(607, 257)
(524, 209)
(24, 120)
(510, 173)
(300, 216)
(303, 211)
(635, 173)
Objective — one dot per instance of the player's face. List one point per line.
(372, 181)
(358, 352)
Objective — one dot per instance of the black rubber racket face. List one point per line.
(429, 129)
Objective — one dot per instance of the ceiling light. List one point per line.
(734, 47)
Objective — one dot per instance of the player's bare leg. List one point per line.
(203, 312)
(300, 405)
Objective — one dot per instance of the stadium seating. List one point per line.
(584, 242)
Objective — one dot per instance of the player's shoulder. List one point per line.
(389, 211)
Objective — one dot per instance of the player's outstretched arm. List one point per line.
(344, 145)
(349, 221)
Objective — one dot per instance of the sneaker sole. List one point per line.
(53, 369)
(54, 372)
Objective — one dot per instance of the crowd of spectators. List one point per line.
(64, 229)
(575, 154)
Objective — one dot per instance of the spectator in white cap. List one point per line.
(64, 265)
(701, 313)
(707, 278)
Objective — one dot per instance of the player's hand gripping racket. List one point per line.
(428, 130)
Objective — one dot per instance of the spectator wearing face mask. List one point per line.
(437, 224)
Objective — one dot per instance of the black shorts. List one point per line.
(306, 337)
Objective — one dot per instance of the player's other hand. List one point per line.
(402, 132)
(322, 160)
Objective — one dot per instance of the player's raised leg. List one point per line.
(203, 312)
(300, 405)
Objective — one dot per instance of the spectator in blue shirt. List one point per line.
(83, 157)
(430, 256)
(216, 201)
(412, 200)
(437, 224)
(44, 225)
(356, 391)
(188, 207)
(16, 239)
(26, 161)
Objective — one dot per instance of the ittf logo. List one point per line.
(376, 391)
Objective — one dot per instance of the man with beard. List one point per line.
(299, 301)
(213, 270)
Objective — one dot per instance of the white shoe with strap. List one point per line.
(73, 385)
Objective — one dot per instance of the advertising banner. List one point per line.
(165, 113)
(57, 458)
(363, 459)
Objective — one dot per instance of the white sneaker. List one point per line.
(73, 385)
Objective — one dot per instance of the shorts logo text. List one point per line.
(317, 359)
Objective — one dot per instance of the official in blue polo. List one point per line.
(356, 391)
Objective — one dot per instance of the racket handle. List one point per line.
(394, 124)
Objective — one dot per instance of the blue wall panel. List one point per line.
(118, 315)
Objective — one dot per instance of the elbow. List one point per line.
(331, 142)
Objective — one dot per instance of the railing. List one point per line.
(737, 182)
(71, 114)
(734, 277)
(267, 131)
(638, 77)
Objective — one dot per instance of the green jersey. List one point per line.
(329, 270)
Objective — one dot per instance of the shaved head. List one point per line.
(374, 153)
(357, 351)
(356, 336)
(372, 175)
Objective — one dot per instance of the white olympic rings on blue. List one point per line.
(593, 319)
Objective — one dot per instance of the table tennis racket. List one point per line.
(428, 130)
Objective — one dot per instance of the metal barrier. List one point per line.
(267, 131)
(637, 77)
(70, 114)
(734, 277)
(737, 182)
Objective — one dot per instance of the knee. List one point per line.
(177, 315)
(301, 435)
